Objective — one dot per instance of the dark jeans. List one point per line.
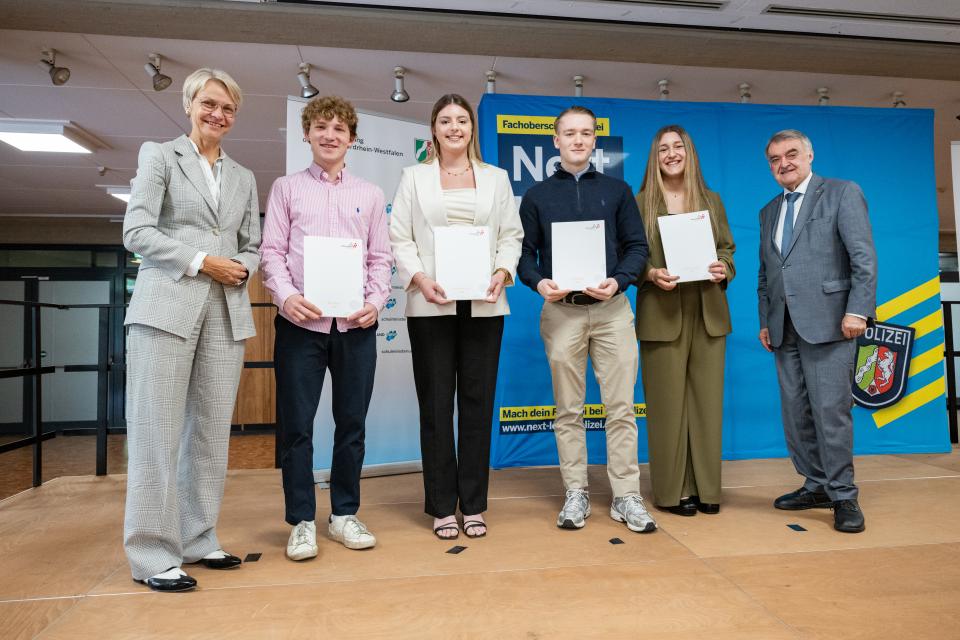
(455, 355)
(301, 359)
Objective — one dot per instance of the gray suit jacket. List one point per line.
(170, 217)
(828, 270)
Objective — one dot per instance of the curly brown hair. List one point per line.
(326, 108)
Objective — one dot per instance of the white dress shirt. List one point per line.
(212, 176)
(802, 190)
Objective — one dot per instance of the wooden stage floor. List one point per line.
(743, 574)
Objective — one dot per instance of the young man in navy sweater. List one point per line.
(597, 321)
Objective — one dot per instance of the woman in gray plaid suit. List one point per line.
(194, 217)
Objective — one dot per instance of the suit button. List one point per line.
(216, 231)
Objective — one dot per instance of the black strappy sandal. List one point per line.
(447, 527)
(468, 524)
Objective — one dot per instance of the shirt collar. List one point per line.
(320, 174)
(575, 176)
(802, 187)
(197, 149)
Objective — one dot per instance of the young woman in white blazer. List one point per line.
(455, 345)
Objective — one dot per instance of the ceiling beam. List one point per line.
(477, 34)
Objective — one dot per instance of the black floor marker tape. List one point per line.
(796, 527)
(616, 541)
(455, 550)
(252, 557)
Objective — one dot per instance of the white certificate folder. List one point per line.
(333, 274)
(579, 254)
(688, 245)
(462, 256)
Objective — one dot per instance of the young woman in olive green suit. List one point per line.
(682, 330)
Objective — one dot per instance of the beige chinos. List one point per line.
(604, 332)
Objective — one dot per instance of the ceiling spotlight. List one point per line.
(491, 81)
(160, 80)
(58, 75)
(578, 86)
(307, 90)
(898, 100)
(664, 89)
(824, 99)
(744, 93)
(399, 93)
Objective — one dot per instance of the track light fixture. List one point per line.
(58, 75)
(578, 86)
(824, 99)
(898, 100)
(160, 81)
(399, 93)
(664, 89)
(744, 93)
(307, 90)
(491, 81)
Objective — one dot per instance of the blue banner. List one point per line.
(888, 152)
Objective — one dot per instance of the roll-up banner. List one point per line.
(384, 146)
(888, 152)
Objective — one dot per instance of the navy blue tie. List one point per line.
(788, 221)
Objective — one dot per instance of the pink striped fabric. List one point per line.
(309, 203)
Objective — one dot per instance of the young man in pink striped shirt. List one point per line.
(324, 200)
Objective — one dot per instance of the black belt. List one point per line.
(580, 299)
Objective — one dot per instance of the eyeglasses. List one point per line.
(228, 110)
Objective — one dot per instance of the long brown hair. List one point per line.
(652, 190)
(473, 151)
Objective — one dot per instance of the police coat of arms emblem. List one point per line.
(883, 359)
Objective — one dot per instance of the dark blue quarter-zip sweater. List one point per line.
(564, 198)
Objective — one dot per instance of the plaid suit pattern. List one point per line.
(184, 351)
(170, 217)
(180, 395)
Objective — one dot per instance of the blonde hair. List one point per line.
(199, 79)
(652, 199)
(473, 150)
(577, 110)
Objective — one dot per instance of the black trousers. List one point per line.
(455, 355)
(301, 359)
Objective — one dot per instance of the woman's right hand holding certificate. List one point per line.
(662, 278)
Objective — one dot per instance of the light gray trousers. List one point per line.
(815, 396)
(180, 397)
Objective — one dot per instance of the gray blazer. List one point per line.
(829, 269)
(170, 217)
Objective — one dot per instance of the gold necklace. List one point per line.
(451, 173)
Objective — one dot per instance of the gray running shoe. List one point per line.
(575, 510)
(630, 509)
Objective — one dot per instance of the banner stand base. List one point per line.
(322, 476)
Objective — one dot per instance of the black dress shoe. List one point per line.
(687, 507)
(226, 562)
(182, 583)
(847, 516)
(803, 498)
(711, 508)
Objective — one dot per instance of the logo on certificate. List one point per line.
(883, 358)
(421, 149)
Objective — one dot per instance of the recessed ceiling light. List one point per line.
(55, 136)
(117, 191)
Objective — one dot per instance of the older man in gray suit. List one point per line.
(817, 288)
(194, 217)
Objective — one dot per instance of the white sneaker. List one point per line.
(576, 509)
(303, 541)
(350, 532)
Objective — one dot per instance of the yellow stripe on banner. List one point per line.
(926, 325)
(926, 360)
(911, 401)
(906, 300)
